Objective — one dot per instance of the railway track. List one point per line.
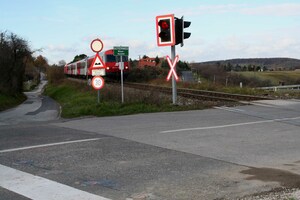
(190, 93)
(199, 94)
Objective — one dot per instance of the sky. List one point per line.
(220, 29)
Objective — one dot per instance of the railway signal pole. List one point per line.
(174, 87)
(170, 32)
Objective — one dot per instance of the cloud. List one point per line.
(56, 52)
(283, 9)
(212, 9)
(52, 19)
(255, 46)
(58, 48)
(286, 9)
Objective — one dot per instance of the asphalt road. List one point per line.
(220, 153)
(36, 108)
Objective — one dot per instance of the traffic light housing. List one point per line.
(180, 35)
(165, 30)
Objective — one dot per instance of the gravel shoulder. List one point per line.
(278, 193)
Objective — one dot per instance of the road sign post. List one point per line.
(122, 80)
(98, 83)
(121, 51)
(97, 66)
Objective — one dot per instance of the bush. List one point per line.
(55, 74)
(9, 101)
(145, 74)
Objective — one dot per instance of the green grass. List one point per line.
(80, 100)
(10, 101)
(289, 77)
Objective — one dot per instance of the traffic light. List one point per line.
(180, 35)
(165, 30)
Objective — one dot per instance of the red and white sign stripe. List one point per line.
(172, 68)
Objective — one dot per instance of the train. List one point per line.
(81, 68)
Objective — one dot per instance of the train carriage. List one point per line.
(82, 68)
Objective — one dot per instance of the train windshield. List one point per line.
(110, 58)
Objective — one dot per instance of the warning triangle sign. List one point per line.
(97, 62)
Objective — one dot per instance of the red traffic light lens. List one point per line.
(163, 24)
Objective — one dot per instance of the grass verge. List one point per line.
(78, 99)
(10, 101)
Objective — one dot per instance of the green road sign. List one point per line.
(121, 51)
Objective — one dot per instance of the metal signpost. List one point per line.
(165, 34)
(98, 83)
(170, 32)
(97, 66)
(121, 51)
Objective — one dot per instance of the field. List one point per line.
(275, 77)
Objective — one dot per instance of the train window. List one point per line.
(82, 64)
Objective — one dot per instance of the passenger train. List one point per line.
(82, 68)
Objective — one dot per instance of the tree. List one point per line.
(157, 60)
(62, 63)
(14, 55)
(79, 57)
(183, 66)
(228, 67)
(31, 72)
(133, 63)
(41, 63)
(165, 64)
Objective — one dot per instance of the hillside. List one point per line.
(269, 63)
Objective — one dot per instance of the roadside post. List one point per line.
(97, 84)
(97, 67)
(170, 32)
(121, 51)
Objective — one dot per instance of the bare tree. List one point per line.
(14, 54)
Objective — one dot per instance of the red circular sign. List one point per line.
(96, 45)
(97, 82)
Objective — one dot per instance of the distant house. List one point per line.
(151, 62)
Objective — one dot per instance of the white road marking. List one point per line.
(229, 125)
(36, 188)
(48, 145)
(262, 104)
(229, 109)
